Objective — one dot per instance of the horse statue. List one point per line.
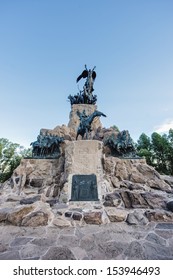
(122, 144)
(46, 146)
(85, 122)
(36, 148)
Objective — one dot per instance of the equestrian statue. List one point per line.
(46, 146)
(121, 145)
(85, 122)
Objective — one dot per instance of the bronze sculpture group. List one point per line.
(85, 96)
(48, 146)
(122, 145)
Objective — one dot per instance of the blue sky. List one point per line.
(44, 45)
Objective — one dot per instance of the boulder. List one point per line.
(158, 184)
(16, 215)
(35, 219)
(116, 215)
(112, 200)
(133, 200)
(169, 205)
(155, 200)
(30, 200)
(135, 171)
(4, 213)
(61, 222)
(159, 216)
(167, 179)
(93, 217)
(136, 218)
(42, 175)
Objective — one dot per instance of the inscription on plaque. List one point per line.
(84, 188)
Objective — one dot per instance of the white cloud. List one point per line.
(164, 127)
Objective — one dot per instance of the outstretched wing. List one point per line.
(93, 75)
(83, 75)
(99, 114)
(103, 115)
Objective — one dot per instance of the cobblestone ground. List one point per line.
(115, 241)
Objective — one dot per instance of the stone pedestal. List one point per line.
(89, 109)
(84, 157)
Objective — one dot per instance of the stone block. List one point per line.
(93, 217)
(116, 215)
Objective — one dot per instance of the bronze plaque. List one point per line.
(84, 188)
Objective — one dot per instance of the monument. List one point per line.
(83, 173)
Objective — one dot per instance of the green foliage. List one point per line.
(115, 128)
(158, 151)
(144, 148)
(10, 157)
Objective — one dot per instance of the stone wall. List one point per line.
(85, 158)
(39, 175)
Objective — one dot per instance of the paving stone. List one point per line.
(68, 231)
(31, 251)
(78, 233)
(32, 231)
(135, 251)
(3, 247)
(89, 229)
(164, 233)
(154, 251)
(58, 253)
(92, 242)
(43, 241)
(97, 254)
(138, 234)
(68, 240)
(170, 242)
(154, 238)
(10, 255)
(18, 241)
(103, 236)
(88, 242)
(52, 233)
(79, 253)
(112, 249)
(164, 226)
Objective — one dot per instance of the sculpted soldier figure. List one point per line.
(85, 96)
(88, 86)
(46, 146)
(85, 122)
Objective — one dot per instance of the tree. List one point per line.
(144, 148)
(158, 151)
(170, 155)
(161, 149)
(10, 157)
